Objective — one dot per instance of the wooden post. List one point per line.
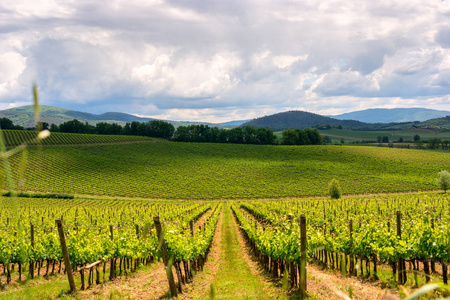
(191, 225)
(352, 261)
(62, 239)
(112, 266)
(401, 269)
(302, 223)
(292, 270)
(165, 255)
(32, 249)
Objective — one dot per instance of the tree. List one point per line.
(6, 123)
(314, 136)
(385, 139)
(289, 137)
(416, 138)
(334, 189)
(75, 126)
(444, 180)
(326, 140)
(265, 136)
(54, 128)
(434, 143)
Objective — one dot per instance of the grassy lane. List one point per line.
(234, 279)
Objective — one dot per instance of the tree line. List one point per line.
(238, 135)
(191, 133)
(155, 128)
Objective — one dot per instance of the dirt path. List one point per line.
(152, 283)
(332, 285)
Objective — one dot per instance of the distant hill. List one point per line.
(24, 116)
(233, 123)
(388, 115)
(302, 119)
(438, 123)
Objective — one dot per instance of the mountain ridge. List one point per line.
(24, 116)
(389, 115)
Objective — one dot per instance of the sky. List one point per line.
(223, 60)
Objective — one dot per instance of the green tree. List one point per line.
(326, 140)
(334, 189)
(444, 180)
(289, 137)
(433, 143)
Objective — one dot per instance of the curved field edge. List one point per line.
(169, 170)
(18, 137)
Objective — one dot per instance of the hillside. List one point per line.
(302, 119)
(212, 171)
(388, 115)
(19, 137)
(24, 116)
(438, 123)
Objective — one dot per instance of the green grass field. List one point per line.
(222, 171)
(393, 135)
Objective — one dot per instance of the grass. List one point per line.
(393, 135)
(169, 170)
(234, 279)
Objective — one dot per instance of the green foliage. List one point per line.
(443, 180)
(17, 137)
(6, 123)
(334, 189)
(206, 134)
(39, 195)
(373, 233)
(90, 220)
(302, 119)
(301, 137)
(214, 171)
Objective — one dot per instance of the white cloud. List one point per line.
(239, 57)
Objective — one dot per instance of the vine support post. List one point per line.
(302, 223)
(32, 249)
(352, 262)
(165, 255)
(67, 264)
(191, 225)
(401, 261)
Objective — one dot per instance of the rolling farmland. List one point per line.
(190, 186)
(220, 171)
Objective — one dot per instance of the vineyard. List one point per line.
(168, 170)
(100, 235)
(18, 137)
(172, 196)
(358, 236)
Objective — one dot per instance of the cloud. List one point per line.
(191, 59)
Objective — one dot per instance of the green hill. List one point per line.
(24, 116)
(211, 171)
(303, 119)
(438, 123)
(388, 115)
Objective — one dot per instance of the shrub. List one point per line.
(444, 180)
(334, 189)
